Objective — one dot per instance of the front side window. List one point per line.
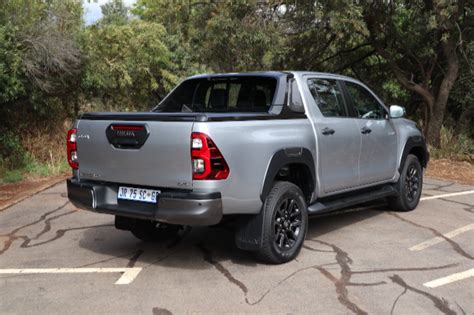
(364, 103)
(328, 97)
(230, 94)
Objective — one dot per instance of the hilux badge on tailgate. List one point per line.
(125, 133)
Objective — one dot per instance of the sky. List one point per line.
(92, 11)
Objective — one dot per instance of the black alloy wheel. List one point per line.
(412, 183)
(287, 223)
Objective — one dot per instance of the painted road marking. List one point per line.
(438, 239)
(448, 195)
(128, 274)
(449, 279)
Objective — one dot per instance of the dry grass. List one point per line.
(458, 171)
(47, 143)
(46, 153)
(454, 147)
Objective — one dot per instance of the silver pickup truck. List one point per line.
(267, 149)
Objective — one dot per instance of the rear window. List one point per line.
(220, 95)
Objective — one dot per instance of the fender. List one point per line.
(284, 157)
(249, 234)
(411, 143)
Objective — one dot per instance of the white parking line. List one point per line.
(449, 279)
(468, 192)
(438, 239)
(128, 274)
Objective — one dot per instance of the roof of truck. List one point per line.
(274, 74)
(324, 74)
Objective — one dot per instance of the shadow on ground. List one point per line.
(201, 243)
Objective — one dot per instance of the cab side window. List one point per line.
(364, 103)
(328, 97)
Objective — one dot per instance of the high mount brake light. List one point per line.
(207, 161)
(72, 157)
(127, 127)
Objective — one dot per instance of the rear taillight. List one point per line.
(72, 149)
(207, 160)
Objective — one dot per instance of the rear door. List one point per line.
(378, 156)
(145, 153)
(338, 137)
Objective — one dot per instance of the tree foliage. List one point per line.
(128, 65)
(41, 60)
(421, 42)
(415, 53)
(114, 12)
(219, 36)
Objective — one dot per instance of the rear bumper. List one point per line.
(173, 207)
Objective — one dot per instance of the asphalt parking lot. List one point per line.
(56, 259)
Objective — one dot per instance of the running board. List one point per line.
(333, 203)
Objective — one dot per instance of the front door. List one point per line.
(378, 156)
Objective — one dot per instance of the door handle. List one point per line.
(366, 130)
(328, 131)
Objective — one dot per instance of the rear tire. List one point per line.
(285, 223)
(152, 231)
(409, 186)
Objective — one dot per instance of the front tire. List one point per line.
(409, 186)
(285, 223)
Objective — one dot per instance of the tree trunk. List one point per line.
(437, 114)
(433, 129)
(436, 117)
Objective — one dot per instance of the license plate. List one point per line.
(138, 194)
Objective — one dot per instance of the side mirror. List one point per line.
(397, 111)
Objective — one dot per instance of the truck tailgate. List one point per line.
(139, 152)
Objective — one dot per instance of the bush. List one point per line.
(12, 154)
(12, 176)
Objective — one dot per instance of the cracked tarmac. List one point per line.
(355, 262)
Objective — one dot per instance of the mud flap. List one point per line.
(250, 232)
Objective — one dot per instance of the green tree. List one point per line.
(128, 66)
(115, 12)
(12, 82)
(176, 19)
(415, 45)
(421, 42)
(40, 57)
(221, 36)
(40, 69)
